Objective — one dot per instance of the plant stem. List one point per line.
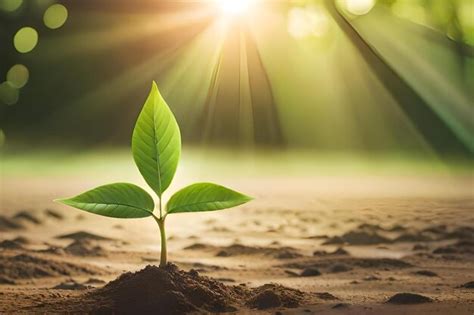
(161, 225)
(161, 214)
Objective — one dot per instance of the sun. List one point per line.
(234, 7)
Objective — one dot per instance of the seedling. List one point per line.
(156, 148)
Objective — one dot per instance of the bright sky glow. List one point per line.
(234, 7)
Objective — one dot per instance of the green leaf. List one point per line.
(119, 200)
(156, 142)
(205, 197)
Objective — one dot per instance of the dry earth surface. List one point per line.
(308, 244)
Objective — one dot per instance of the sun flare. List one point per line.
(234, 7)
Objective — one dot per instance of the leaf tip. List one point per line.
(64, 201)
(59, 200)
(154, 86)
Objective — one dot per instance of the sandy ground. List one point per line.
(349, 244)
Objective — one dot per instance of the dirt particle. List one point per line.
(468, 285)
(325, 296)
(426, 273)
(53, 214)
(70, 285)
(371, 278)
(310, 272)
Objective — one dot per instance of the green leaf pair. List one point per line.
(156, 147)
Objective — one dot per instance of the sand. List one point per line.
(380, 245)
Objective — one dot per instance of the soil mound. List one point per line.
(21, 240)
(167, 290)
(358, 237)
(83, 235)
(275, 295)
(8, 224)
(468, 285)
(460, 247)
(409, 298)
(84, 248)
(26, 267)
(10, 244)
(26, 217)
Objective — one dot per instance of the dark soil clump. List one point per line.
(82, 235)
(6, 280)
(460, 247)
(10, 244)
(70, 285)
(8, 224)
(326, 296)
(409, 298)
(358, 237)
(310, 272)
(426, 273)
(53, 214)
(84, 248)
(468, 285)
(275, 295)
(26, 217)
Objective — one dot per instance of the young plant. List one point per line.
(156, 148)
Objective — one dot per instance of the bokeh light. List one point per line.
(359, 7)
(18, 76)
(10, 5)
(309, 21)
(55, 16)
(8, 93)
(25, 39)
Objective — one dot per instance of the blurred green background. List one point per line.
(352, 77)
